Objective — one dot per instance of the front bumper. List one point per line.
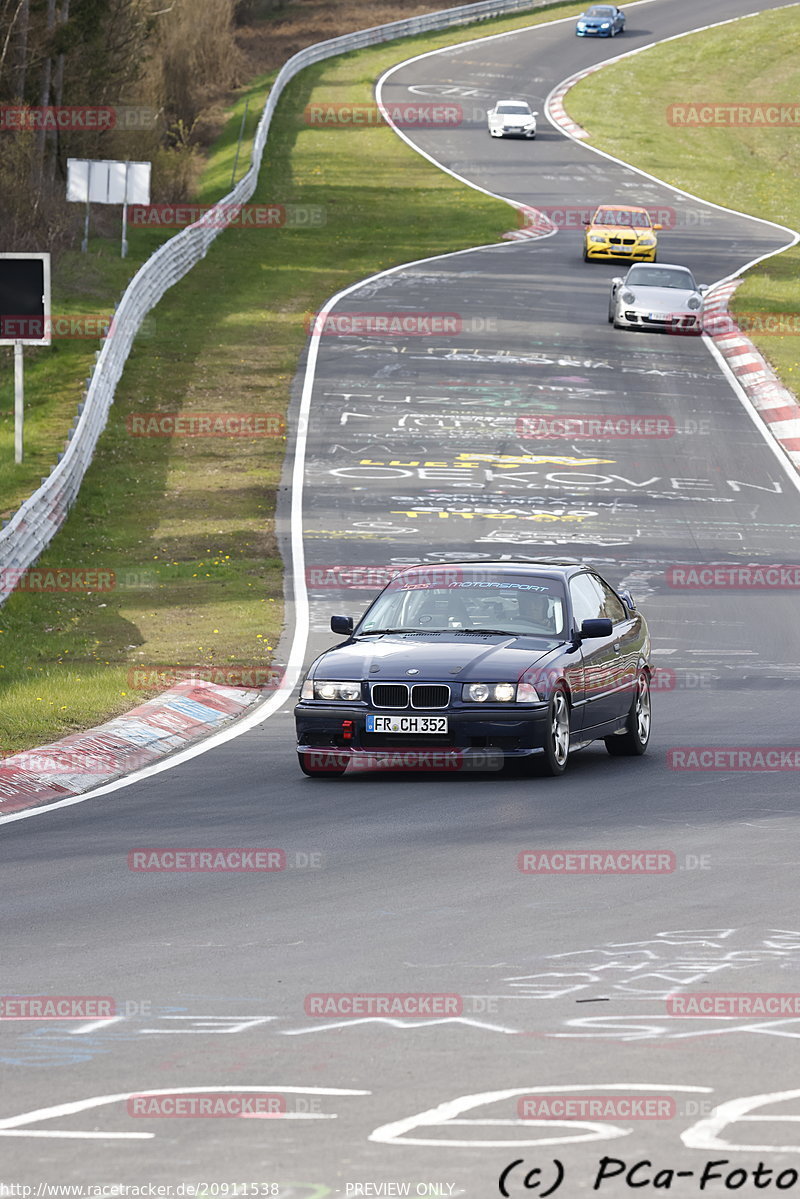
(678, 322)
(595, 32)
(514, 132)
(514, 733)
(609, 253)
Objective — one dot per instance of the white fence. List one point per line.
(32, 527)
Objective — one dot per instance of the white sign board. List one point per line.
(104, 181)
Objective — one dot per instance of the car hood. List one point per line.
(661, 299)
(617, 230)
(469, 658)
(596, 20)
(515, 118)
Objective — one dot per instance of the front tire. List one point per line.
(634, 741)
(553, 761)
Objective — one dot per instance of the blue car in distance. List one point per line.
(601, 20)
(527, 660)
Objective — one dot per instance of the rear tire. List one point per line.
(634, 741)
(332, 765)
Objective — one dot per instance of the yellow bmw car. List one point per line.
(620, 232)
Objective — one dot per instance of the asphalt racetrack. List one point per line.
(411, 884)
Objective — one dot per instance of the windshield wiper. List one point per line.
(373, 632)
(496, 632)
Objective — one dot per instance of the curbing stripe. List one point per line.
(83, 761)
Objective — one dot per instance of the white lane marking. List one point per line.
(17, 1125)
(394, 1022)
(446, 1113)
(93, 1025)
(705, 1133)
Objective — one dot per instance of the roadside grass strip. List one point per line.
(717, 115)
(179, 529)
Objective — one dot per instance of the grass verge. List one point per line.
(186, 524)
(754, 169)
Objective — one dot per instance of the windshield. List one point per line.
(599, 12)
(456, 600)
(651, 276)
(516, 109)
(622, 216)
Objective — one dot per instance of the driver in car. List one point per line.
(534, 610)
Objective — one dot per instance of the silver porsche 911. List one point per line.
(512, 118)
(657, 297)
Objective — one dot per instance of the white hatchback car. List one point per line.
(512, 118)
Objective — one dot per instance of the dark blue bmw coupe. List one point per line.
(526, 660)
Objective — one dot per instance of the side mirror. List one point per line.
(596, 628)
(586, 221)
(627, 600)
(616, 282)
(342, 624)
(658, 226)
(703, 288)
(535, 112)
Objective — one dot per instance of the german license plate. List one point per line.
(657, 316)
(406, 724)
(624, 249)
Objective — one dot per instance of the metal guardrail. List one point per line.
(27, 533)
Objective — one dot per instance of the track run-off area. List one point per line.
(413, 449)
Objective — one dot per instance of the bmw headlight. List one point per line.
(628, 297)
(596, 237)
(498, 693)
(605, 24)
(694, 303)
(647, 241)
(581, 24)
(334, 690)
